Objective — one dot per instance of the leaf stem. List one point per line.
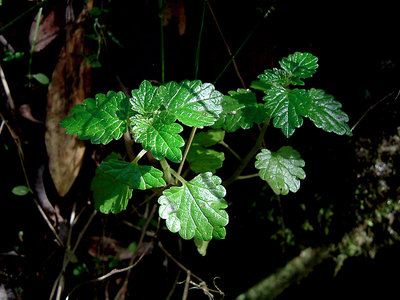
(192, 134)
(139, 156)
(167, 171)
(249, 155)
(177, 176)
(231, 150)
(247, 176)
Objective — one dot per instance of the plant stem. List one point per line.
(196, 66)
(249, 155)
(39, 17)
(160, 5)
(2, 29)
(192, 133)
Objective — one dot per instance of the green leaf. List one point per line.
(282, 169)
(209, 138)
(192, 102)
(135, 176)
(301, 65)
(196, 209)
(287, 107)
(241, 110)
(145, 100)
(20, 190)
(114, 181)
(160, 135)
(202, 159)
(109, 195)
(326, 114)
(41, 78)
(101, 119)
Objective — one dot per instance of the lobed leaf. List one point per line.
(135, 176)
(159, 135)
(326, 114)
(287, 107)
(204, 160)
(282, 169)
(145, 99)
(301, 65)
(115, 179)
(192, 102)
(100, 119)
(196, 209)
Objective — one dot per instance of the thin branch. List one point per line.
(177, 262)
(70, 255)
(249, 155)
(373, 107)
(122, 290)
(226, 45)
(10, 100)
(187, 282)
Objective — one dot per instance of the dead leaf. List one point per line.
(176, 9)
(50, 24)
(25, 111)
(70, 85)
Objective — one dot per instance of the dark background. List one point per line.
(358, 50)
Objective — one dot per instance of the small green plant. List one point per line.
(155, 116)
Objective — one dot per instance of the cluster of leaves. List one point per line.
(155, 115)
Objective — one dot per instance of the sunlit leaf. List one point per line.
(196, 209)
(192, 102)
(160, 135)
(282, 170)
(100, 119)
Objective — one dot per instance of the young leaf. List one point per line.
(192, 102)
(20, 190)
(326, 114)
(196, 209)
(241, 110)
(160, 135)
(282, 169)
(41, 78)
(301, 65)
(101, 119)
(114, 181)
(145, 100)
